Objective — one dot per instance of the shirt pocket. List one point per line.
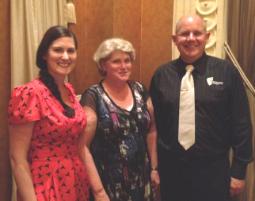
(216, 95)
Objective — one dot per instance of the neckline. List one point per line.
(199, 65)
(115, 104)
(70, 95)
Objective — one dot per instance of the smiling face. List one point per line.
(61, 57)
(117, 66)
(191, 38)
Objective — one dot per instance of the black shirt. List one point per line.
(222, 115)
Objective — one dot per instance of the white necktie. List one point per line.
(186, 133)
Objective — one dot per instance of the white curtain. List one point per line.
(29, 20)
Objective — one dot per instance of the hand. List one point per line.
(155, 180)
(101, 196)
(236, 186)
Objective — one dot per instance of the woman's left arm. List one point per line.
(152, 146)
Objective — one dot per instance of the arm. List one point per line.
(88, 135)
(20, 137)
(152, 146)
(242, 140)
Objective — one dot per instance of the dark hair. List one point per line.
(52, 34)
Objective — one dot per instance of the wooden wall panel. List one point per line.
(146, 24)
(156, 36)
(127, 25)
(94, 23)
(5, 171)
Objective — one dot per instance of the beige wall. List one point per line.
(146, 23)
(5, 180)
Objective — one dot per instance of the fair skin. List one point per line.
(190, 39)
(19, 140)
(152, 147)
(118, 70)
(60, 63)
(60, 59)
(94, 179)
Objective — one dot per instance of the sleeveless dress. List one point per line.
(58, 174)
(119, 146)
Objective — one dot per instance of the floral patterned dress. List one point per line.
(58, 173)
(119, 146)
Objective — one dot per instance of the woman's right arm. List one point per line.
(88, 135)
(20, 137)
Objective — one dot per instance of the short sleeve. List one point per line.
(24, 105)
(89, 98)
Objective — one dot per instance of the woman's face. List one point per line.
(61, 57)
(118, 66)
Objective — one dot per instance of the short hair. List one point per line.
(108, 46)
(52, 34)
(185, 17)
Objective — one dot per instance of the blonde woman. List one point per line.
(121, 131)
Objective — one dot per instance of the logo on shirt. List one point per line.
(210, 81)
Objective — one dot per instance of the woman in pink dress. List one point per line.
(45, 123)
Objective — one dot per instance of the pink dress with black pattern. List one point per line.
(57, 171)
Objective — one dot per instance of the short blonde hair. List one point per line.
(108, 46)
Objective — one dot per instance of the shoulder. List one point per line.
(93, 89)
(134, 83)
(166, 67)
(139, 88)
(137, 85)
(165, 73)
(29, 85)
(90, 94)
(165, 70)
(223, 69)
(222, 66)
(25, 102)
(32, 88)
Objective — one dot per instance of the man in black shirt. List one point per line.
(222, 121)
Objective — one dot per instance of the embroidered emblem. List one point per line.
(210, 81)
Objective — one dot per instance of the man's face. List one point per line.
(191, 38)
